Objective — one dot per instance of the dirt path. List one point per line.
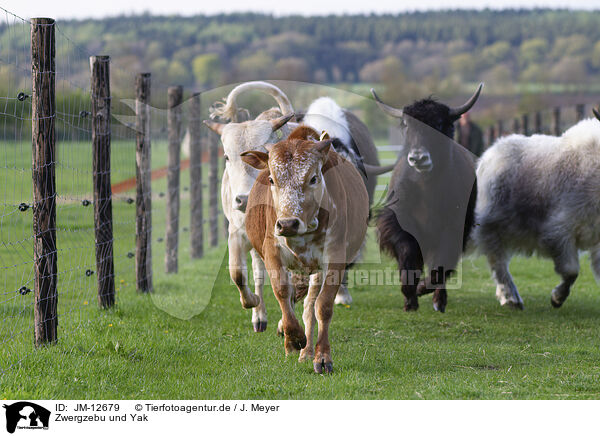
(159, 173)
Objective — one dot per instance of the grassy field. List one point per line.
(191, 338)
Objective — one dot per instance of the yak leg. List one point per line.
(343, 295)
(238, 270)
(294, 337)
(566, 264)
(410, 263)
(506, 290)
(595, 260)
(324, 311)
(259, 313)
(440, 295)
(308, 316)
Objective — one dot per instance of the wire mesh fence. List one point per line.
(68, 234)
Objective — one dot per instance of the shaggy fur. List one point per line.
(540, 194)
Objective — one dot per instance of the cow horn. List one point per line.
(596, 114)
(374, 170)
(214, 126)
(397, 113)
(458, 111)
(278, 123)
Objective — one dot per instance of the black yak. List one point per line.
(429, 209)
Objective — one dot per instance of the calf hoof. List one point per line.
(250, 302)
(323, 367)
(260, 326)
(294, 344)
(306, 355)
(295, 339)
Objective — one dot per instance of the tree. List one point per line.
(207, 70)
(292, 69)
(178, 74)
(256, 66)
(533, 51)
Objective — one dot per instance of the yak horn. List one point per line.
(397, 113)
(374, 170)
(596, 114)
(278, 123)
(456, 112)
(214, 126)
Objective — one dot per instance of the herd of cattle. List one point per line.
(297, 191)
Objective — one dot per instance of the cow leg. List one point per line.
(343, 295)
(309, 318)
(259, 313)
(324, 311)
(566, 264)
(294, 337)
(238, 270)
(506, 290)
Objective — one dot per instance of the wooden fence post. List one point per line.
(525, 124)
(500, 128)
(196, 208)
(537, 126)
(556, 130)
(175, 99)
(580, 112)
(213, 186)
(516, 126)
(103, 223)
(143, 200)
(43, 118)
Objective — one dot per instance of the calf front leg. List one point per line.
(238, 270)
(324, 312)
(259, 313)
(294, 337)
(566, 263)
(308, 316)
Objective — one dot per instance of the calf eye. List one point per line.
(226, 157)
(313, 181)
(271, 181)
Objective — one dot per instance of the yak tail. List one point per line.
(389, 230)
(228, 109)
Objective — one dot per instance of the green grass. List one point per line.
(191, 338)
(476, 350)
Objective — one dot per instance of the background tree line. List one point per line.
(516, 52)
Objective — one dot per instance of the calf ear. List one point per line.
(256, 159)
(323, 147)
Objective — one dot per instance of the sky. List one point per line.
(65, 9)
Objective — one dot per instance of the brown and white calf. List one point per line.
(307, 215)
